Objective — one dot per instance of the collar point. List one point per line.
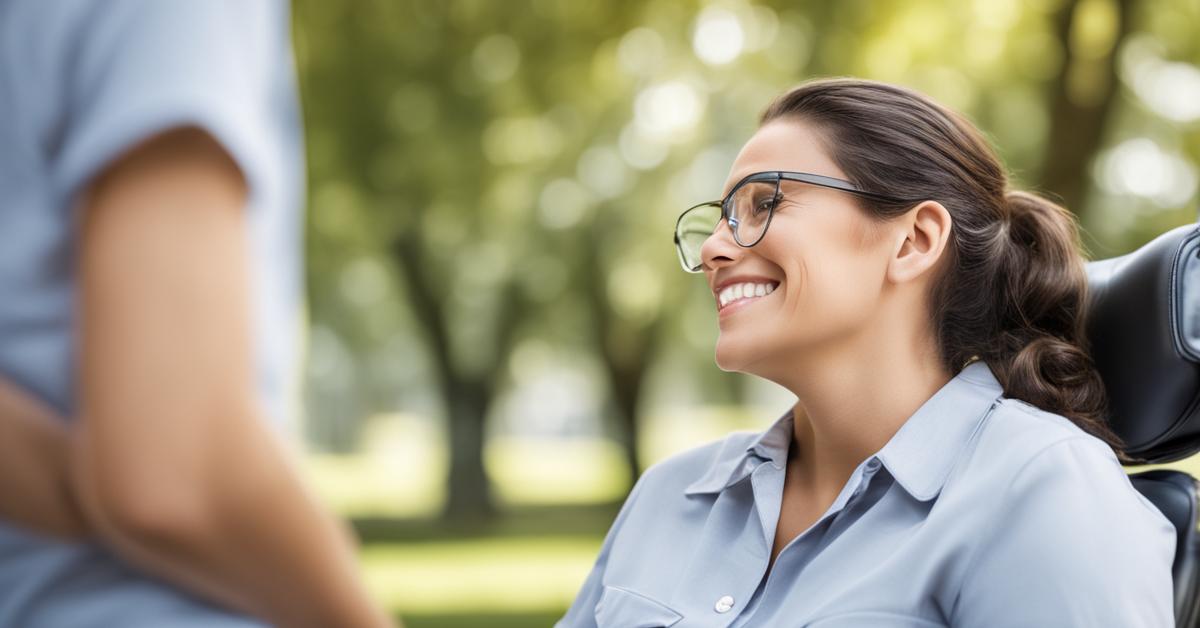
(926, 495)
(698, 488)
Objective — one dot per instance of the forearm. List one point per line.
(252, 539)
(35, 487)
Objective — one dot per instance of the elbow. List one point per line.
(153, 514)
(131, 496)
(179, 488)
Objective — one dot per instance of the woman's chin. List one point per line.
(751, 353)
(731, 356)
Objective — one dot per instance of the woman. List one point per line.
(150, 181)
(946, 461)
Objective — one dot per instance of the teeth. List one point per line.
(744, 291)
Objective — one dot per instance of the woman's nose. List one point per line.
(720, 249)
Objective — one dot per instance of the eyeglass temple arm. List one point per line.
(838, 184)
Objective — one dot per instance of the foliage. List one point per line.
(493, 184)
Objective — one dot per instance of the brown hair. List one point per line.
(1013, 291)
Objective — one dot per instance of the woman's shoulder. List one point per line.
(1031, 453)
(1043, 503)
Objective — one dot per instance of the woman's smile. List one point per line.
(736, 293)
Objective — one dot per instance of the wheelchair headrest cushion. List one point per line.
(1144, 328)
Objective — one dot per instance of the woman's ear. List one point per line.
(923, 233)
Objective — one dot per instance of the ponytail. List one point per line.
(1041, 356)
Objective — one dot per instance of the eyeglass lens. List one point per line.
(749, 209)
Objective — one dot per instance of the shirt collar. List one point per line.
(920, 455)
(734, 460)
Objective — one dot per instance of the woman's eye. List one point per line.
(766, 204)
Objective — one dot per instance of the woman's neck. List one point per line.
(850, 404)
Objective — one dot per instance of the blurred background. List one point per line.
(500, 336)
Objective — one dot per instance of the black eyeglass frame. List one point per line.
(772, 176)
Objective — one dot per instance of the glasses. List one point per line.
(748, 210)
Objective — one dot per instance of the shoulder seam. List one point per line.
(1037, 413)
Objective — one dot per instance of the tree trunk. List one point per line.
(469, 494)
(468, 489)
(627, 348)
(1078, 121)
(626, 389)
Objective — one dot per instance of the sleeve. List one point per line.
(1074, 545)
(582, 613)
(136, 68)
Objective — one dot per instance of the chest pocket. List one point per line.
(872, 619)
(622, 608)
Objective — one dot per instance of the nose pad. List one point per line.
(720, 249)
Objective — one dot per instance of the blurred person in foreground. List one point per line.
(946, 462)
(150, 189)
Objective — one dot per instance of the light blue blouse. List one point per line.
(980, 511)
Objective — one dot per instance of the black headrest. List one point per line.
(1144, 328)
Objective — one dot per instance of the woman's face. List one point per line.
(822, 259)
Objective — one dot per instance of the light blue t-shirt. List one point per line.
(981, 511)
(81, 82)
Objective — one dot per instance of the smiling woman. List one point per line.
(946, 461)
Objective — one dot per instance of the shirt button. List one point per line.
(873, 464)
(724, 604)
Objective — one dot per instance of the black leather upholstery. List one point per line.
(1144, 328)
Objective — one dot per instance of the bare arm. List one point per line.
(35, 487)
(172, 461)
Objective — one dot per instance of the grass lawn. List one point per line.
(522, 570)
